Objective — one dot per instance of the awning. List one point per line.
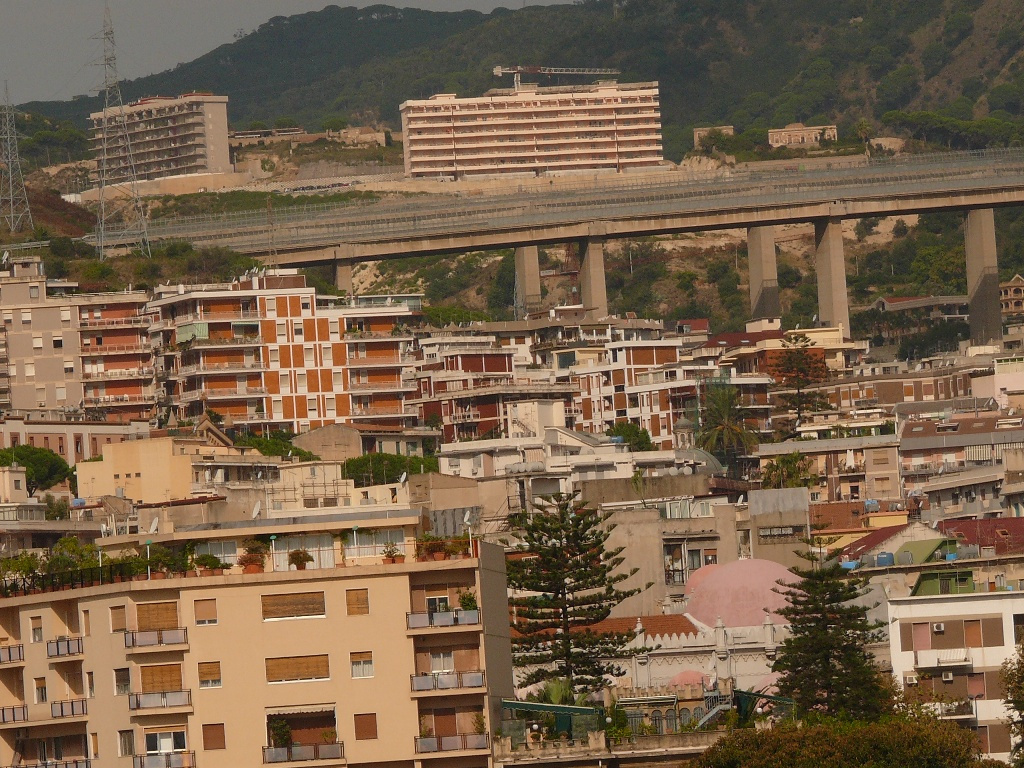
(304, 709)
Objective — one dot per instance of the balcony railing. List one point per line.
(160, 700)
(230, 341)
(77, 762)
(451, 743)
(69, 708)
(456, 618)
(302, 752)
(165, 760)
(64, 646)
(675, 577)
(446, 681)
(155, 637)
(196, 394)
(12, 654)
(460, 417)
(113, 322)
(119, 373)
(13, 714)
(951, 709)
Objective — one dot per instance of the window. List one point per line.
(357, 602)
(362, 663)
(117, 619)
(291, 668)
(58, 342)
(437, 603)
(225, 551)
(311, 406)
(39, 685)
(122, 682)
(126, 743)
(298, 330)
(157, 678)
(294, 605)
(282, 331)
(37, 342)
(30, 370)
(155, 616)
(90, 684)
(37, 629)
(213, 736)
(365, 726)
(69, 366)
(162, 742)
(65, 314)
(442, 661)
(26, 317)
(209, 674)
(33, 291)
(206, 611)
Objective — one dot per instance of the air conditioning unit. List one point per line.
(911, 680)
(938, 628)
(947, 677)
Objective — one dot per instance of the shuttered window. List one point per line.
(357, 602)
(362, 663)
(294, 605)
(209, 674)
(117, 621)
(154, 616)
(206, 611)
(161, 677)
(213, 736)
(297, 668)
(366, 726)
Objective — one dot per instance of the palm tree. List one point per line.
(724, 431)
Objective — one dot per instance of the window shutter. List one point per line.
(357, 601)
(366, 726)
(117, 620)
(213, 736)
(361, 656)
(153, 616)
(206, 611)
(298, 604)
(161, 677)
(209, 671)
(297, 668)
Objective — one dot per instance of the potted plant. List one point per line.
(280, 733)
(209, 565)
(299, 558)
(467, 600)
(389, 553)
(430, 547)
(458, 547)
(254, 556)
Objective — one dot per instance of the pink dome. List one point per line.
(688, 677)
(738, 592)
(697, 578)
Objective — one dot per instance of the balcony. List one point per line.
(225, 393)
(165, 760)
(229, 341)
(119, 373)
(138, 398)
(156, 638)
(456, 618)
(942, 658)
(457, 743)
(69, 708)
(300, 753)
(75, 762)
(215, 368)
(91, 350)
(10, 715)
(675, 577)
(12, 654)
(135, 321)
(447, 681)
(852, 469)
(462, 417)
(63, 647)
(160, 700)
(953, 710)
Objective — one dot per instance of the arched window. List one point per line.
(684, 716)
(636, 719)
(670, 721)
(656, 721)
(698, 713)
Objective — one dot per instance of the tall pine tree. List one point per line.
(825, 664)
(567, 583)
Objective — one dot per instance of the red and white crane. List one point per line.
(519, 70)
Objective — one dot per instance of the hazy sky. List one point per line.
(47, 50)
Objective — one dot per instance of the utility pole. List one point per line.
(13, 197)
(122, 218)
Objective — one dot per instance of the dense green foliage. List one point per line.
(724, 431)
(382, 468)
(43, 468)
(1013, 683)
(635, 436)
(791, 470)
(277, 443)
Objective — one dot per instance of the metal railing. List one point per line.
(76, 762)
(154, 637)
(12, 654)
(302, 752)
(454, 618)
(426, 744)
(64, 646)
(69, 708)
(160, 699)
(445, 681)
(52, 582)
(165, 760)
(118, 373)
(675, 577)
(13, 714)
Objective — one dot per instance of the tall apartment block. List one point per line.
(534, 130)
(168, 137)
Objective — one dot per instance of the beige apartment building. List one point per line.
(168, 137)
(366, 665)
(534, 130)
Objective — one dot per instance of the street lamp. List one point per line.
(149, 568)
(273, 564)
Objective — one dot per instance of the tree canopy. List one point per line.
(791, 470)
(381, 468)
(635, 436)
(724, 430)
(43, 468)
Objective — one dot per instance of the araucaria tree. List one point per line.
(825, 664)
(566, 582)
(798, 366)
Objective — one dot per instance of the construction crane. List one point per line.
(519, 70)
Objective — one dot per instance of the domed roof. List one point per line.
(688, 677)
(740, 593)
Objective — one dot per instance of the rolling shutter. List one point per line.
(357, 601)
(117, 620)
(213, 736)
(154, 616)
(206, 611)
(365, 726)
(297, 668)
(161, 677)
(298, 604)
(209, 672)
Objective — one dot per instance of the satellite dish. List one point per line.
(256, 509)
(103, 529)
(155, 525)
(403, 478)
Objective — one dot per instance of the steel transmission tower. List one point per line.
(122, 219)
(13, 197)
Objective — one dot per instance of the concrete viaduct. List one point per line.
(972, 182)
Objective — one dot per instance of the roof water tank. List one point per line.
(905, 558)
(885, 559)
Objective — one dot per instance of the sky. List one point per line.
(49, 49)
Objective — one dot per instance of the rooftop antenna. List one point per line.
(13, 197)
(122, 218)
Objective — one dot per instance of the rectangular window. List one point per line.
(30, 370)
(122, 682)
(209, 674)
(357, 602)
(311, 406)
(26, 317)
(365, 726)
(90, 684)
(37, 342)
(161, 677)
(162, 742)
(294, 605)
(154, 616)
(69, 366)
(117, 619)
(206, 611)
(39, 685)
(37, 629)
(282, 331)
(65, 314)
(213, 736)
(126, 743)
(289, 668)
(362, 663)
(442, 661)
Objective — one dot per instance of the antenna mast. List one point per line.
(13, 197)
(122, 218)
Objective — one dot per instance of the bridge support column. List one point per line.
(764, 273)
(343, 276)
(593, 292)
(833, 303)
(982, 277)
(527, 279)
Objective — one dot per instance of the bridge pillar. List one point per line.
(764, 273)
(833, 303)
(343, 276)
(982, 277)
(527, 279)
(593, 292)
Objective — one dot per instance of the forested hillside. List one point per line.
(751, 63)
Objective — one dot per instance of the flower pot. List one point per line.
(252, 569)
(388, 560)
(139, 577)
(399, 558)
(206, 571)
(218, 571)
(191, 574)
(300, 566)
(440, 555)
(158, 575)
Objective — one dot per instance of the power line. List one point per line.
(13, 196)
